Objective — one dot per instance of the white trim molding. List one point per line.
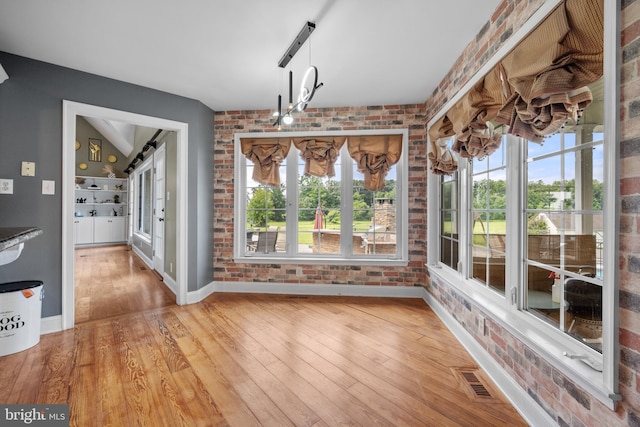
(306, 289)
(70, 111)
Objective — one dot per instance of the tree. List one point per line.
(539, 195)
(315, 193)
(489, 194)
(265, 204)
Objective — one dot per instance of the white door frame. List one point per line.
(159, 192)
(70, 111)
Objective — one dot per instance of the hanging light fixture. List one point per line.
(309, 83)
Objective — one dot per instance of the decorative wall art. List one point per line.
(95, 150)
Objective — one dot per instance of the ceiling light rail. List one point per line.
(152, 143)
(302, 37)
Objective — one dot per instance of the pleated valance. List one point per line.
(375, 155)
(539, 86)
(471, 117)
(441, 160)
(266, 154)
(550, 69)
(319, 154)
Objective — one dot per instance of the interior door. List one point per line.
(158, 210)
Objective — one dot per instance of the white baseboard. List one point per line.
(51, 324)
(142, 256)
(170, 283)
(305, 289)
(528, 408)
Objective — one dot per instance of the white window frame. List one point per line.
(401, 258)
(508, 310)
(146, 165)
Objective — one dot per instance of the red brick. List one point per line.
(629, 339)
(630, 186)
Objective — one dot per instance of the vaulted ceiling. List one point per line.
(225, 53)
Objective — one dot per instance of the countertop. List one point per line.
(11, 236)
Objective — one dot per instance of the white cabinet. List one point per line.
(83, 230)
(108, 229)
(101, 210)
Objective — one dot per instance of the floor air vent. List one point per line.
(473, 385)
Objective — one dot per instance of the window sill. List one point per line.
(534, 333)
(321, 260)
(143, 237)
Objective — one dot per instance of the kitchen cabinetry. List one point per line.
(107, 229)
(101, 210)
(83, 230)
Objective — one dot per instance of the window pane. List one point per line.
(374, 215)
(266, 214)
(565, 232)
(144, 202)
(489, 202)
(449, 220)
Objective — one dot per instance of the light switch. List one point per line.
(6, 186)
(48, 187)
(28, 169)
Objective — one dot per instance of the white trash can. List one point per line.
(20, 313)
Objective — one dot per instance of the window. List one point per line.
(531, 241)
(143, 199)
(334, 218)
(546, 223)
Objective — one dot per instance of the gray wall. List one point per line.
(84, 131)
(31, 129)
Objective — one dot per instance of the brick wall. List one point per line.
(228, 123)
(558, 395)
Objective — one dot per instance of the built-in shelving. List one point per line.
(101, 210)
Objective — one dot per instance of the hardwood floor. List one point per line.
(112, 281)
(251, 360)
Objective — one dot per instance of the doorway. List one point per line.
(71, 111)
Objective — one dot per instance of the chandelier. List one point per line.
(309, 83)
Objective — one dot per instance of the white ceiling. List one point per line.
(225, 53)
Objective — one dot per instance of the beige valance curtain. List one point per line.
(266, 154)
(469, 120)
(471, 116)
(549, 70)
(319, 155)
(539, 86)
(441, 160)
(375, 155)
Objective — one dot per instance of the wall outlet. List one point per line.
(481, 326)
(6, 186)
(28, 169)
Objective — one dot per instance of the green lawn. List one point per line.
(306, 238)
